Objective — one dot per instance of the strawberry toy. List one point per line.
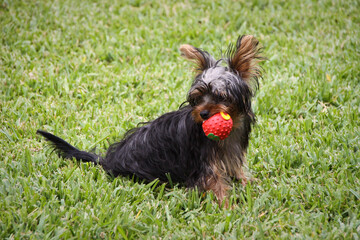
(218, 127)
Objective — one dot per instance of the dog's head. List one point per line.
(227, 84)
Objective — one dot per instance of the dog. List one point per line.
(175, 144)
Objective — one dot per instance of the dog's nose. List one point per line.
(204, 114)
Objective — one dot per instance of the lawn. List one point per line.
(90, 70)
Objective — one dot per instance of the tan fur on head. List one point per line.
(190, 52)
(246, 57)
(201, 58)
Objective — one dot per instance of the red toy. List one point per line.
(218, 127)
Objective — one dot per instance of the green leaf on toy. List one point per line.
(213, 137)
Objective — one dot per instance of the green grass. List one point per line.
(89, 70)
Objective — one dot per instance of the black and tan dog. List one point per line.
(174, 144)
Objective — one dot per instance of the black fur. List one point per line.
(175, 144)
(170, 144)
(65, 150)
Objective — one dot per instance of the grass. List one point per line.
(90, 70)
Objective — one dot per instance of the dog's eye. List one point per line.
(220, 98)
(195, 100)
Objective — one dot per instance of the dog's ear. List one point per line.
(244, 57)
(202, 59)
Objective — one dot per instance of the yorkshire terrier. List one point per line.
(175, 144)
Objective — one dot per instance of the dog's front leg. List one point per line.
(218, 184)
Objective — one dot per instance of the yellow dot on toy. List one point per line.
(225, 115)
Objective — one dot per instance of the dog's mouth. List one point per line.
(204, 112)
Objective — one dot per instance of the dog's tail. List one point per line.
(65, 150)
